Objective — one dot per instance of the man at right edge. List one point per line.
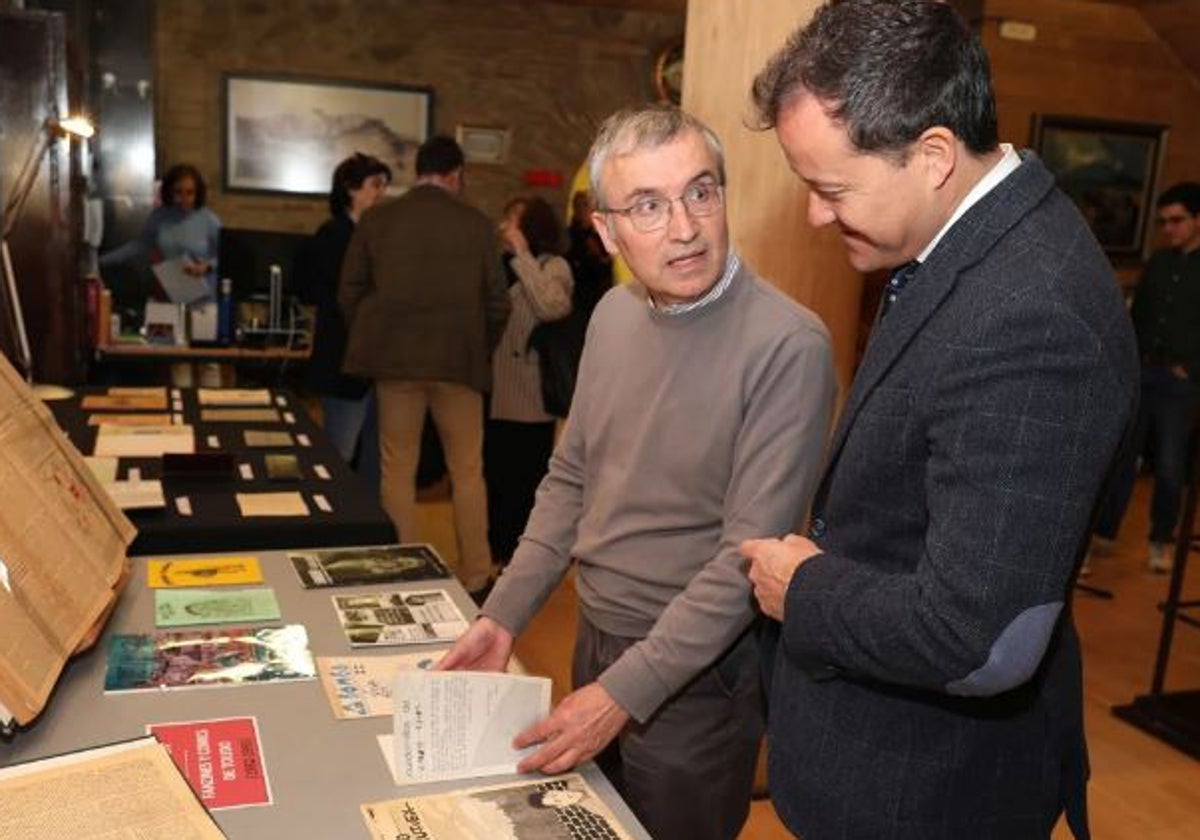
(927, 679)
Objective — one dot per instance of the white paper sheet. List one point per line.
(460, 724)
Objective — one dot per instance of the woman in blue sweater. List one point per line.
(180, 228)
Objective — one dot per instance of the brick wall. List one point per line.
(549, 72)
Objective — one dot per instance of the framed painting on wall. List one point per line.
(1110, 170)
(286, 135)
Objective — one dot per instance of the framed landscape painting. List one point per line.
(1110, 170)
(286, 135)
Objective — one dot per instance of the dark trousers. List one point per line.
(1164, 412)
(515, 459)
(688, 771)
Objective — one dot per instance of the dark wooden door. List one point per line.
(43, 243)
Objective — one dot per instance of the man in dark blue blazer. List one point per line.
(927, 682)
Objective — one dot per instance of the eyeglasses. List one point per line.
(653, 212)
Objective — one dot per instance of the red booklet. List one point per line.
(222, 760)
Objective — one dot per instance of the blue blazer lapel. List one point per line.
(921, 297)
(966, 243)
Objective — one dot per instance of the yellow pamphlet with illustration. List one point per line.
(203, 571)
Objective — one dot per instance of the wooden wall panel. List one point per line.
(727, 44)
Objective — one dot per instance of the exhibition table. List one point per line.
(202, 513)
(320, 769)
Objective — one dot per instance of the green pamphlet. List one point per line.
(183, 607)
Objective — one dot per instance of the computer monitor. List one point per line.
(246, 257)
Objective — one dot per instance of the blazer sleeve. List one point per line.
(355, 278)
(1024, 413)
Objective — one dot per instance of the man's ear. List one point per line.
(937, 151)
(601, 221)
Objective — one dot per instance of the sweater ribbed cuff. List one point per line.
(634, 684)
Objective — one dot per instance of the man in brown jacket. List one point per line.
(425, 301)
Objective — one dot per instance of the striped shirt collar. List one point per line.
(732, 264)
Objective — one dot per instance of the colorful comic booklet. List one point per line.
(367, 565)
(188, 659)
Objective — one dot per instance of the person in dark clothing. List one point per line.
(347, 402)
(591, 265)
(1166, 317)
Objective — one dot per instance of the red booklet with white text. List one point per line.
(221, 759)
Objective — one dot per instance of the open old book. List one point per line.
(62, 551)
(129, 789)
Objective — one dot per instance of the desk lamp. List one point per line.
(50, 130)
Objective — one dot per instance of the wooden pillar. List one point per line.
(727, 44)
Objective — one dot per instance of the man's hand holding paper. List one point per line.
(582, 725)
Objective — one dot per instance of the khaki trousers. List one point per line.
(458, 415)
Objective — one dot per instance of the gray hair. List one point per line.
(645, 127)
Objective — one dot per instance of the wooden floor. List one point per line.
(1141, 789)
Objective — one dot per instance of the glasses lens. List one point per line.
(702, 199)
(649, 214)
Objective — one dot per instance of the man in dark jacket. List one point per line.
(425, 302)
(927, 677)
(347, 404)
(1166, 316)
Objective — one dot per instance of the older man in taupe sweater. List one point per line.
(700, 418)
(425, 301)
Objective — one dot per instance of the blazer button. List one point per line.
(816, 528)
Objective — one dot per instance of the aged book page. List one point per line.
(143, 441)
(125, 402)
(271, 504)
(119, 792)
(129, 420)
(233, 396)
(62, 549)
(239, 415)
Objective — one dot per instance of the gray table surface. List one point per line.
(320, 769)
